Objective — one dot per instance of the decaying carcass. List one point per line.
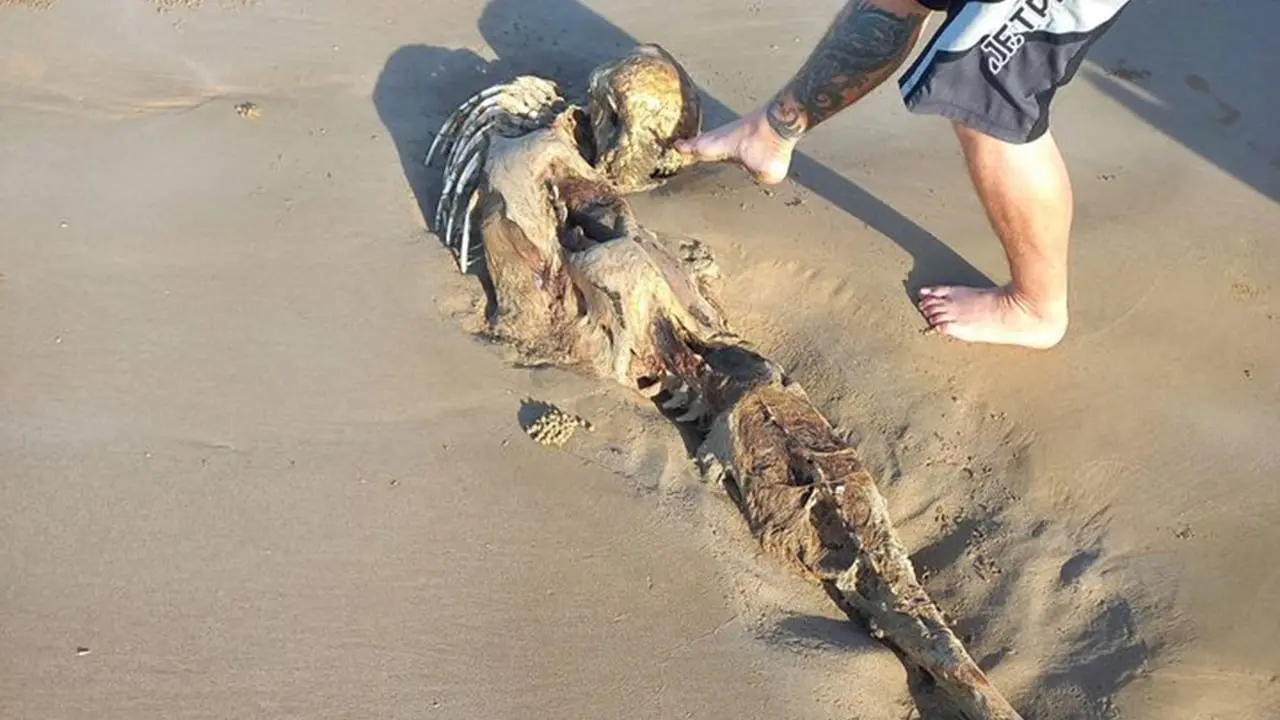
(539, 184)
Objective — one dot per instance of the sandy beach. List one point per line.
(252, 464)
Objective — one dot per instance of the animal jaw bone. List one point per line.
(579, 283)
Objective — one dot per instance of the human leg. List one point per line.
(1026, 192)
(993, 70)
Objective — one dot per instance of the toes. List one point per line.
(939, 317)
(932, 303)
(936, 291)
(937, 310)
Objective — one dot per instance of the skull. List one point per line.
(639, 105)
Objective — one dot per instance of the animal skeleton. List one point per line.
(579, 283)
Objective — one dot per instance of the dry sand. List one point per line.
(253, 467)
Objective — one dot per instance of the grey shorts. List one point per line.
(994, 65)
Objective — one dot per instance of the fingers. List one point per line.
(717, 145)
(763, 158)
(703, 149)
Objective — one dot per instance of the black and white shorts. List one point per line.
(994, 65)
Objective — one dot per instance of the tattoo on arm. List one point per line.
(864, 45)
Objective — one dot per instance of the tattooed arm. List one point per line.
(864, 45)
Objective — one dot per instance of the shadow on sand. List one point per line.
(421, 84)
(1204, 76)
(1210, 101)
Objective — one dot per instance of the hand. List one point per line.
(750, 142)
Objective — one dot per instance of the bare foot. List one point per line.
(750, 142)
(991, 316)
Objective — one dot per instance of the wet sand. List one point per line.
(253, 466)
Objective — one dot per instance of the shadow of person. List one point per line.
(420, 85)
(1194, 76)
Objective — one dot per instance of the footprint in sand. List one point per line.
(1131, 74)
(1197, 83)
(1230, 115)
